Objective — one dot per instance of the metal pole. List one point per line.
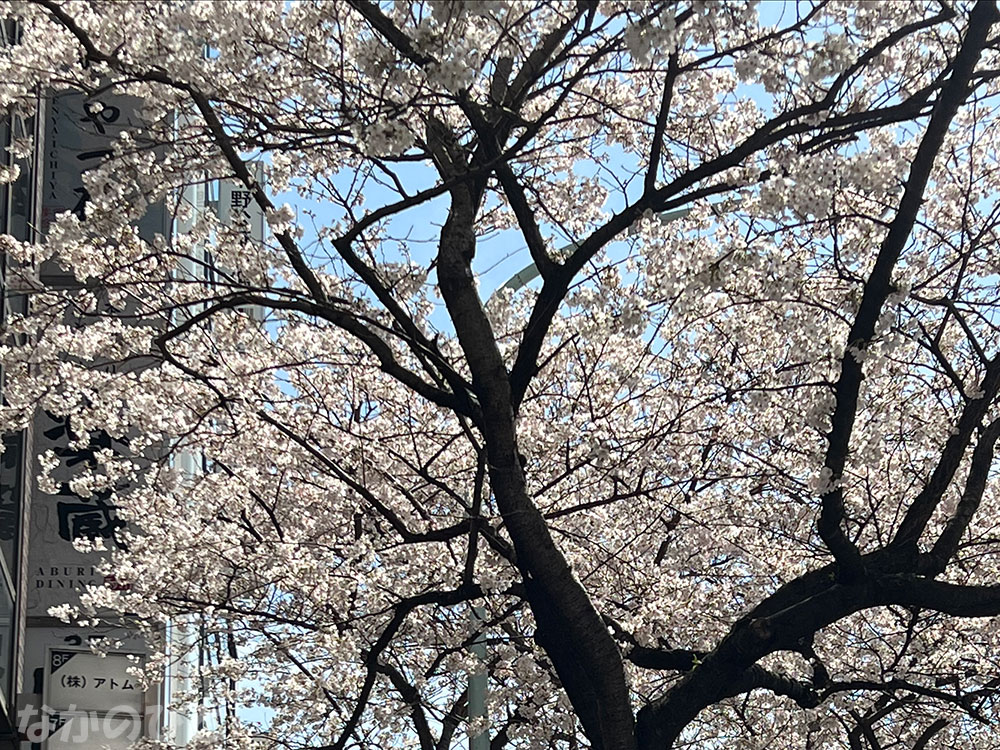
(530, 271)
(477, 685)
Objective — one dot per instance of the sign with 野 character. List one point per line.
(237, 207)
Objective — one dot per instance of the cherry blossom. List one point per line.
(722, 477)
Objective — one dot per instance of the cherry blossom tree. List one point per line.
(720, 481)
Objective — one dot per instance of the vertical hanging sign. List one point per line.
(80, 134)
(238, 210)
(57, 570)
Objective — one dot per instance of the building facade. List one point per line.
(19, 218)
(55, 692)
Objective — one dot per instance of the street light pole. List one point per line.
(477, 684)
(530, 271)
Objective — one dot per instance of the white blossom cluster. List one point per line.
(673, 428)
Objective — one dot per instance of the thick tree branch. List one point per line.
(928, 734)
(656, 145)
(569, 628)
(921, 509)
(940, 596)
(452, 720)
(389, 31)
(975, 484)
(512, 188)
(879, 285)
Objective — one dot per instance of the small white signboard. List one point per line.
(238, 208)
(79, 680)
